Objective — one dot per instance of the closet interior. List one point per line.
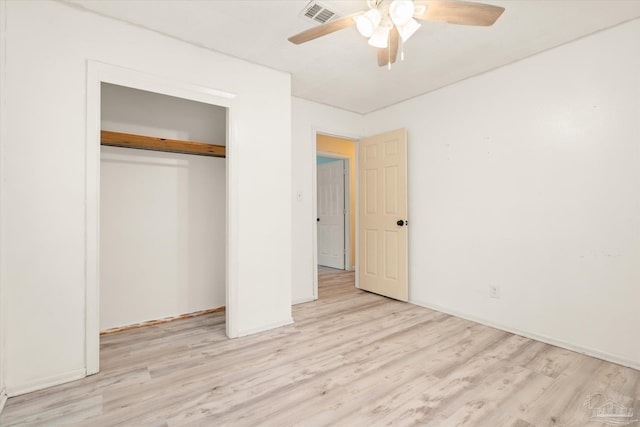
(162, 207)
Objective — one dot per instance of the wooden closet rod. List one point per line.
(127, 140)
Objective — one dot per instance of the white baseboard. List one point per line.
(251, 331)
(634, 364)
(3, 399)
(303, 300)
(46, 382)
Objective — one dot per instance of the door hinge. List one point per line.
(344, 211)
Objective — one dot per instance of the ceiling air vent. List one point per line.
(317, 12)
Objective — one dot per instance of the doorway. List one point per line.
(380, 214)
(162, 212)
(335, 204)
(98, 74)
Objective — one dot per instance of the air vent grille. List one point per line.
(318, 12)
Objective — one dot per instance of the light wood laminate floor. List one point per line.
(351, 359)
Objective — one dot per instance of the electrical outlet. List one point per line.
(494, 292)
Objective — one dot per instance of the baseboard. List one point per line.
(251, 331)
(160, 321)
(535, 336)
(3, 399)
(303, 300)
(46, 382)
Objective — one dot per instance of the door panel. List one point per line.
(383, 201)
(331, 214)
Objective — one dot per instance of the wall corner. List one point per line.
(3, 110)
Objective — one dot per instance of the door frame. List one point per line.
(314, 200)
(97, 73)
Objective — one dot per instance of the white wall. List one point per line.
(43, 179)
(140, 112)
(162, 235)
(162, 215)
(307, 119)
(3, 321)
(527, 178)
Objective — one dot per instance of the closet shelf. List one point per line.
(127, 140)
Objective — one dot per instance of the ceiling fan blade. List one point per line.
(460, 12)
(389, 55)
(324, 29)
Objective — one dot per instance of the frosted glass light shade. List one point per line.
(408, 29)
(368, 22)
(401, 11)
(380, 37)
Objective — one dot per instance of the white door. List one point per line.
(331, 214)
(382, 261)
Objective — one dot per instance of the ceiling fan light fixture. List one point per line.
(401, 11)
(408, 29)
(368, 22)
(388, 24)
(380, 37)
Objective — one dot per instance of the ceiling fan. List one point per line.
(390, 23)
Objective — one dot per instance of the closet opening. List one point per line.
(163, 210)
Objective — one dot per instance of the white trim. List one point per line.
(335, 134)
(347, 208)
(314, 211)
(231, 267)
(92, 221)
(534, 336)
(97, 73)
(47, 382)
(251, 331)
(3, 138)
(303, 300)
(3, 399)
(356, 235)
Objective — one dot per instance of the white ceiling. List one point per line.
(341, 69)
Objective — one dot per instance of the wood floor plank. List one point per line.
(351, 358)
(304, 368)
(562, 403)
(369, 363)
(445, 394)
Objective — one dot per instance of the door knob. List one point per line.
(400, 222)
(318, 219)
